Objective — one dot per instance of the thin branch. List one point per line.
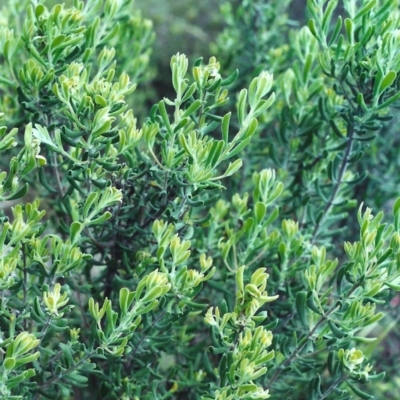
(334, 385)
(65, 373)
(342, 170)
(300, 347)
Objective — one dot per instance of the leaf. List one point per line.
(164, 116)
(75, 231)
(301, 307)
(225, 127)
(58, 41)
(77, 378)
(239, 279)
(392, 286)
(348, 24)
(110, 35)
(214, 154)
(39, 10)
(364, 10)
(241, 108)
(8, 50)
(396, 206)
(259, 212)
(387, 81)
(388, 102)
(233, 167)
(307, 68)
(311, 303)
(359, 392)
(100, 100)
(361, 102)
(100, 220)
(312, 27)
(189, 92)
(336, 31)
(333, 364)
(231, 78)
(337, 332)
(326, 20)
(319, 191)
(20, 193)
(272, 217)
(315, 387)
(191, 109)
(263, 105)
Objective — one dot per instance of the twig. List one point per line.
(342, 170)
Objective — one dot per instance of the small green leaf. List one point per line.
(58, 41)
(99, 220)
(361, 102)
(259, 212)
(326, 20)
(231, 78)
(272, 217)
(9, 363)
(373, 377)
(396, 206)
(189, 92)
(312, 27)
(336, 331)
(364, 10)
(311, 303)
(389, 101)
(191, 109)
(336, 31)
(164, 116)
(20, 193)
(387, 81)
(333, 364)
(359, 392)
(301, 307)
(75, 231)
(225, 127)
(307, 67)
(241, 108)
(152, 294)
(214, 154)
(348, 24)
(151, 306)
(239, 279)
(100, 100)
(91, 199)
(233, 167)
(39, 10)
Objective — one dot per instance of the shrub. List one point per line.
(144, 266)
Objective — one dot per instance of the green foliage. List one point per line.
(133, 273)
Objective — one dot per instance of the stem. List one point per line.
(154, 157)
(299, 348)
(99, 245)
(315, 353)
(46, 327)
(57, 175)
(257, 258)
(83, 313)
(332, 387)
(70, 369)
(142, 339)
(25, 280)
(343, 167)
